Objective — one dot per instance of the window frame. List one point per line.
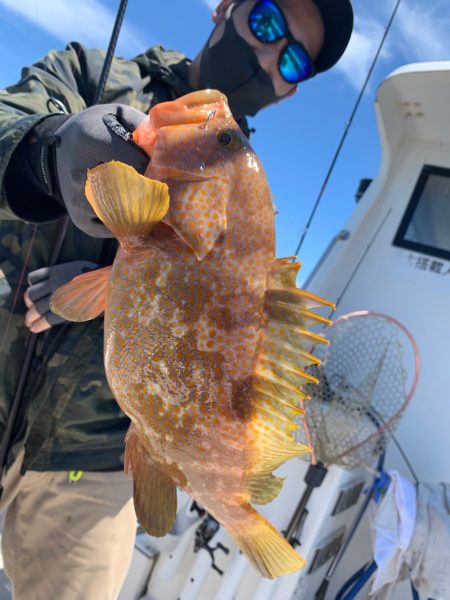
(399, 238)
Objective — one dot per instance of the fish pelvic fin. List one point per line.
(266, 549)
(278, 378)
(154, 492)
(83, 298)
(129, 204)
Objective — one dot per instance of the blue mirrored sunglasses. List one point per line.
(268, 24)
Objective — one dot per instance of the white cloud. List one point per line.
(420, 32)
(211, 4)
(423, 30)
(358, 57)
(86, 21)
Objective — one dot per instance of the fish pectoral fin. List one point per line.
(83, 298)
(128, 204)
(154, 492)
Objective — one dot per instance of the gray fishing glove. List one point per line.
(52, 161)
(43, 283)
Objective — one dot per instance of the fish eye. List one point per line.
(229, 138)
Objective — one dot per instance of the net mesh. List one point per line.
(362, 391)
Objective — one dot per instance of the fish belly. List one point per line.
(180, 346)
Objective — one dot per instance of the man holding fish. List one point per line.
(70, 523)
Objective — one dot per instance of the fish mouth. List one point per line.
(198, 100)
(192, 109)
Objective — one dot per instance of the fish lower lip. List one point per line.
(201, 97)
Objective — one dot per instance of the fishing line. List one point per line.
(347, 128)
(399, 448)
(361, 260)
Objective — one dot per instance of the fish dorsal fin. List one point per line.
(154, 492)
(83, 298)
(128, 204)
(278, 378)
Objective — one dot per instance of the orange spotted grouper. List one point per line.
(204, 328)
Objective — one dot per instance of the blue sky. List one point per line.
(296, 139)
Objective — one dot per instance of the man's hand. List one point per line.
(95, 135)
(55, 156)
(42, 283)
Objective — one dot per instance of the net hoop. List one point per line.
(387, 425)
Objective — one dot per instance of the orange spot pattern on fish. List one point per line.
(188, 328)
(202, 319)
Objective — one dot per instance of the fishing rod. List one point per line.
(10, 426)
(110, 52)
(347, 129)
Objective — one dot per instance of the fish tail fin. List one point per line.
(266, 549)
(129, 204)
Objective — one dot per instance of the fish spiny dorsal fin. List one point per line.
(278, 378)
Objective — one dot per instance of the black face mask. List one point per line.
(232, 67)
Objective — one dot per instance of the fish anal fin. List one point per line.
(154, 492)
(266, 549)
(263, 487)
(129, 204)
(83, 298)
(155, 501)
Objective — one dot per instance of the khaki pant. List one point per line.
(67, 541)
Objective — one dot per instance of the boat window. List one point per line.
(425, 226)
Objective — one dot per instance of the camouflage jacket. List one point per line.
(69, 419)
